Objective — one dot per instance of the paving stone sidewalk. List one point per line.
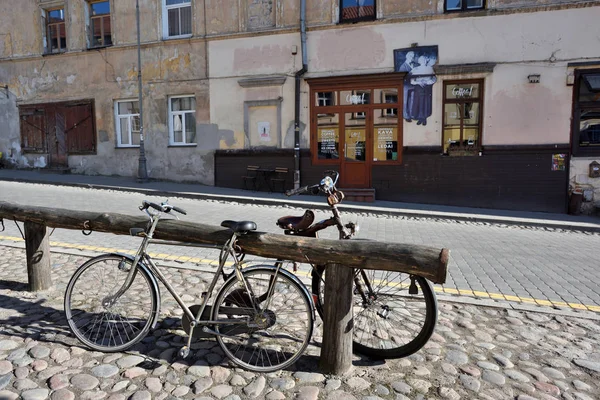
(476, 353)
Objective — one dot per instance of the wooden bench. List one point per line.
(250, 177)
(279, 177)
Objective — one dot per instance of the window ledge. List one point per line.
(54, 54)
(183, 145)
(127, 147)
(178, 37)
(99, 47)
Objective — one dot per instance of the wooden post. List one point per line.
(38, 256)
(336, 352)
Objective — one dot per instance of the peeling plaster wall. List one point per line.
(110, 74)
(10, 140)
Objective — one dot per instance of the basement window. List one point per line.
(464, 5)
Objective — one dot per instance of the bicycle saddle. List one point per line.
(297, 223)
(239, 226)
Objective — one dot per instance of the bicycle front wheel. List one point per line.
(273, 330)
(394, 313)
(98, 322)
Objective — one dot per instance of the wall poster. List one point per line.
(418, 63)
(558, 162)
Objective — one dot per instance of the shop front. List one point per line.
(355, 125)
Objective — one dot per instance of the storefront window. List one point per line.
(328, 137)
(586, 129)
(462, 117)
(385, 128)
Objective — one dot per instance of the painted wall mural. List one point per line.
(418, 62)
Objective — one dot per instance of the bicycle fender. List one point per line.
(153, 282)
(292, 277)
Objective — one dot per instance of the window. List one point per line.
(464, 5)
(182, 120)
(177, 18)
(387, 96)
(99, 27)
(55, 40)
(127, 118)
(325, 99)
(462, 117)
(586, 113)
(357, 10)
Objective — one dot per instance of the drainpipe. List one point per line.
(299, 74)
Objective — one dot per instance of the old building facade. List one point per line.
(463, 102)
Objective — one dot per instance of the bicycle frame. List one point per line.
(334, 197)
(227, 250)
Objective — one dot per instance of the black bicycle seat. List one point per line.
(297, 223)
(239, 226)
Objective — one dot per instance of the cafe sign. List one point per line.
(462, 92)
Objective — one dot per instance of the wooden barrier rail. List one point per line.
(424, 261)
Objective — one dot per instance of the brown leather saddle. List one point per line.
(297, 223)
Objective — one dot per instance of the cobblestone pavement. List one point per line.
(539, 266)
(477, 352)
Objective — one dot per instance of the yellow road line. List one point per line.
(212, 262)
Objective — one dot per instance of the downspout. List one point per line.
(299, 74)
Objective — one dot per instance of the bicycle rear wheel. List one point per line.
(275, 336)
(109, 327)
(394, 313)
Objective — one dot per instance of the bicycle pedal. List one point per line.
(184, 352)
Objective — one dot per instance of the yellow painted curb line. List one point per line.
(196, 260)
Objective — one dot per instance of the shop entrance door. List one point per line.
(355, 142)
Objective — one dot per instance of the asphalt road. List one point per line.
(530, 265)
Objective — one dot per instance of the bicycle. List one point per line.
(262, 316)
(383, 300)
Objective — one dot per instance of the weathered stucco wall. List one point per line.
(109, 75)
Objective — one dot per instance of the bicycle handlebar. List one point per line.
(292, 192)
(166, 208)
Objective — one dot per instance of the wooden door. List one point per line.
(57, 146)
(355, 144)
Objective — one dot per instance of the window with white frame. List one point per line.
(127, 118)
(182, 120)
(177, 18)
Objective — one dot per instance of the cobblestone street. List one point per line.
(477, 352)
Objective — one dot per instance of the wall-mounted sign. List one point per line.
(355, 98)
(264, 131)
(462, 92)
